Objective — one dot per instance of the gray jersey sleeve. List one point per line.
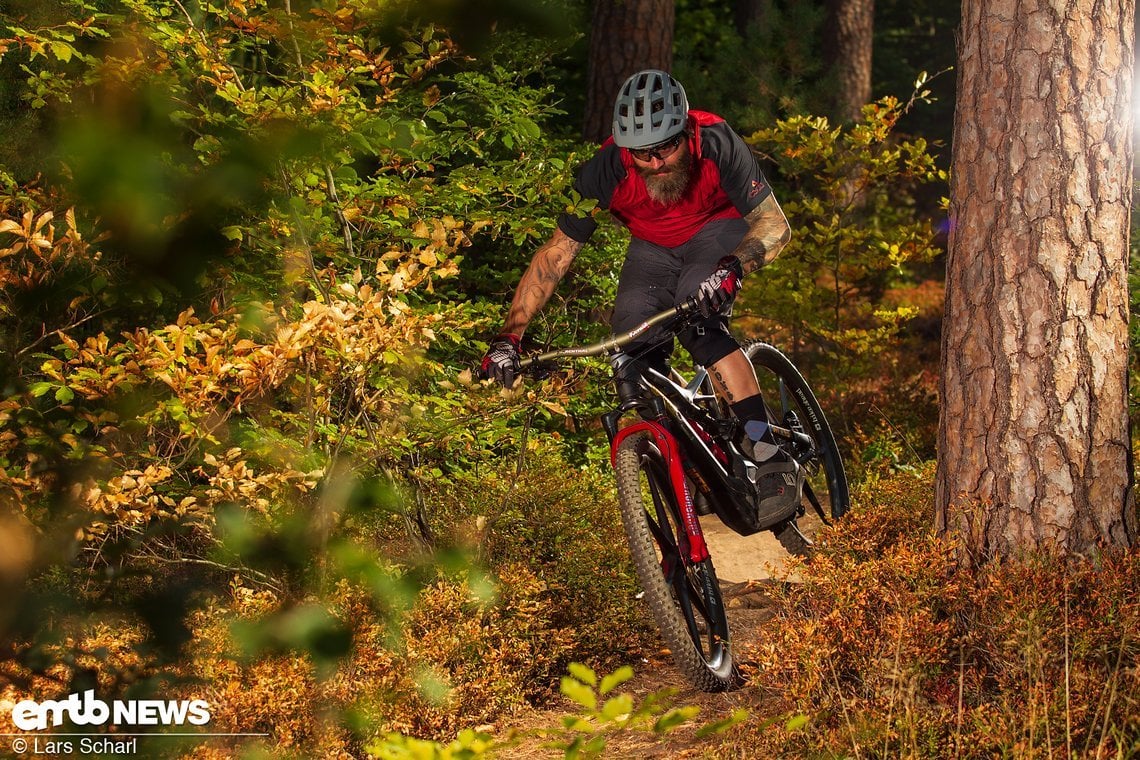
(595, 179)
(740, 174)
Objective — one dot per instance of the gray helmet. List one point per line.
(651, 107)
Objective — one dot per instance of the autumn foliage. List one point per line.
(893, 650)
(243, 457)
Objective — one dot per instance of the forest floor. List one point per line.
(747, 566)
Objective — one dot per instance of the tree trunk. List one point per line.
(626, 36)
(750, 14)
(848, 36)
(1034, 446)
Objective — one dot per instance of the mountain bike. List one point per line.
(679, 459)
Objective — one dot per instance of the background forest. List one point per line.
(250, 253)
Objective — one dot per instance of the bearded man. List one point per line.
(701, 216)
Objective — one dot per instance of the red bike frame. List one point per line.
(667, 444)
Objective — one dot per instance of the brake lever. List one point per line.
(540, 370)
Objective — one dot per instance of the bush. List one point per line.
(890, 649)
(564, 524)
(472, 649)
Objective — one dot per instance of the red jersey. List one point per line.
(726, 183)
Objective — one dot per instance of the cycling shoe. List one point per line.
(779, 485)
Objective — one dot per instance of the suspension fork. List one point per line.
(667, 444)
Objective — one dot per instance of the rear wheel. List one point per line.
(684, 597)
(791, 403)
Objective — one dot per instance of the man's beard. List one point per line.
(668, 186)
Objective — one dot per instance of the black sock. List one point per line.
(752, 408)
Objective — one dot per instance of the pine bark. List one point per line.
(626, 36)
(1034, 443)
(750, 14)
(848, 42)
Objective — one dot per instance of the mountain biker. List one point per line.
(701, 216)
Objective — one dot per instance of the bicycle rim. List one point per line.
(786, 391)
(684, 598)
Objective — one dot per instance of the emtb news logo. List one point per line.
(30, 715)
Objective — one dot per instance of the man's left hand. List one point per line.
(720, 288)
(502, 360)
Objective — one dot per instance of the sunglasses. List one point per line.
(660, 151)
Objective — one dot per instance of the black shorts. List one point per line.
(655, 278)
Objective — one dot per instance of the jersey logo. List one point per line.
(755, 189)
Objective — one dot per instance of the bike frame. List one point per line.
(670, 450)
(697, 447)
(706, 445)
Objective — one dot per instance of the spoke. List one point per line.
(688, 595)
(664, 539)
(661, 527)
(685, 602)
(697, 589)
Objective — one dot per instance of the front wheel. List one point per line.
(684, 597)
(790, 402)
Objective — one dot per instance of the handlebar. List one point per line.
(614, 343)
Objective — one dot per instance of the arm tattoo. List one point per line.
(768, 232)
(546, 270)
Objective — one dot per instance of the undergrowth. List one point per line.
(889, 649)
(527, 574)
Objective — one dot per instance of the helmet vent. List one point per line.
(651, 107)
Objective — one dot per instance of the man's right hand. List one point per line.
(502, 360)
(720, 288)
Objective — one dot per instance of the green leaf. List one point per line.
(62, 51)
(574, 748)
(615, 679)
(595, 746)
(674, 718)
(64, 395)
(722, 725)
(39, 389)
(618, 707)
(579, 692)
(529, 128)
(583, 673)
(797, 723)
(576, 723)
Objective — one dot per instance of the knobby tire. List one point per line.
(784, 388)
(684, 598)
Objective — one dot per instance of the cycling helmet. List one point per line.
(651, 107)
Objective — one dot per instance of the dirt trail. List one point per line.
(740, 559)
(747, 567)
